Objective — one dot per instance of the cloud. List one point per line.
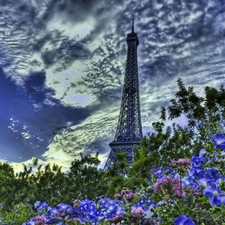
(27, 122)
(70, 79)
(173, 43)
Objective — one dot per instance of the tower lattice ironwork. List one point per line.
(129, 130)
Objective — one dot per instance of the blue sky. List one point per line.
(62, 65)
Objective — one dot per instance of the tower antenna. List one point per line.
(132, 25)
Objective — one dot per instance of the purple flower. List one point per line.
(219, 140)
(183, 220)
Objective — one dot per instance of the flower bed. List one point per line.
(188, 192)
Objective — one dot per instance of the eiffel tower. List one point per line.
(129, 130)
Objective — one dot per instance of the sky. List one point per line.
(62, 66)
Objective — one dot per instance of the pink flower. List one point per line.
(180, 193)
(75, 220)
(40, 220)
(153, 170)
(76, 203)
(128, 194)
(116, 218)
(163, 181)
(117, 196)
(137, 212)
(171, 183)
(181, 162)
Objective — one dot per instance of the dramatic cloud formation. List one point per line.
(62, 69)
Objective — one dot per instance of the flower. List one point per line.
(41, 206)
(196, 172)
(128, 194)
(183, 220)
(38, 220)
(202, 152)
(160, 172)
(189, 182)
(152, 170)
(76, 203)
(203, 182)
(171, 182)
(213, 192)
(219, 140)
(119, 196)
(53, 211)
(37, 204)
(137, 212)
(181, 162)
(198, 160)
(116, 218)
(212, 174)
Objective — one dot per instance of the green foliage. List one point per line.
(116, 176)
(84, 179)
(49, 184)
(195, 206)
(8, 184)
(20, 213)
(203, 116)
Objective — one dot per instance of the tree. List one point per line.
(84, 180)
(117, 175)
(204, 117)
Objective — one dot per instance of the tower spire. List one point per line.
(129, 130)
(132, 26)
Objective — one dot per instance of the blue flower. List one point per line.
(170, 170)
(31, 222)
(196, 172)
(219, 140)
(51, 220)
(110, 208)
(213, 192)
(198, 160)
(146, 204)
(212, 175)
(160, 173)
(37, 204)
(189, 182)
(183, 220)
(65, 207)
(204, 182)
(202, 152)
(44, 205)
(53, 211)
